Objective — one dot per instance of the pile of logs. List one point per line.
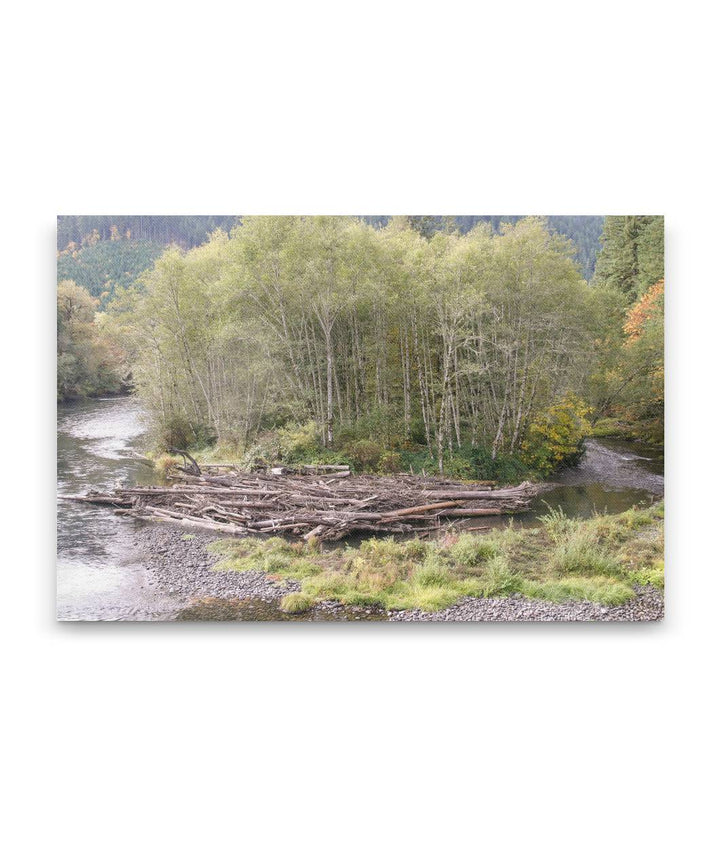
(312, 502)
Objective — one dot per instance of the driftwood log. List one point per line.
(325, 503)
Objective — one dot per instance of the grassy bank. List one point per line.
(599, 560)
(650, 433)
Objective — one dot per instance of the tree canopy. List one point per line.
(444, 333)
(445, 340)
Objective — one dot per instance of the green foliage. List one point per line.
(555, 438)
(627, 383)
(298, 442)
(582, 230)
(467, 462)
(597, 560)
(390, 462)
(86, 361)
(579, 552)
(437, 344)
(365, 455)
(296, 602)
(370, 336)
(595, 589)
(469, 550)
(557, 524)
(648, 576)
(498, 580)
(632, 255)
(101, 267)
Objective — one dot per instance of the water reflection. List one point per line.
(100, 574)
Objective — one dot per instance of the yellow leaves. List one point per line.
(555, 436)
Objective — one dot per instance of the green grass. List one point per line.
(649, 576)
(296, 602)
(596, 589)
(579, 552)
(599, 560)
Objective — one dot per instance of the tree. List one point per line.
(381, 332)
(632, 254)
(86, 364)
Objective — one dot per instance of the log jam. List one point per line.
(311, 502)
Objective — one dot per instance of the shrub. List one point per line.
(470, 550)
(649, 576)
(164, 463)
(459, 466)
(432, 572)
(467, 462)
(557, 524)
(555, 438)
(390, 462)
(364, 455)
(298, 443)
(580, 553)
(296, 602)
(498, 580)
(177, 432)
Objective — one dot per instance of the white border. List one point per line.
(358, 739)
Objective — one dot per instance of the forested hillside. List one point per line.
(191, 231)
(185, 231)
(584, 231)
(100, 266)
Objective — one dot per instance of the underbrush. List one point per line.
(599, 560)
(364, 450)
(650, 431)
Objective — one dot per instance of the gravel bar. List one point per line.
(647, 606)
(181, 565)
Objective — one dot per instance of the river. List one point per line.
(101, 573)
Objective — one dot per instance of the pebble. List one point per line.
(649, 605)
(182, 566)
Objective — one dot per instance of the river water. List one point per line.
(101, 574)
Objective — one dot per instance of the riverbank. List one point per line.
(180, 564)
(108, 570)
(248, 581)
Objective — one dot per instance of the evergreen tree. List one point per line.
(632, 254)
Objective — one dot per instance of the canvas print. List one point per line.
(360, 418)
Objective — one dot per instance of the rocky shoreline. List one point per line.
(647, 606)
(178, 562)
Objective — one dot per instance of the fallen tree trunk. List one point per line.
(311, 504)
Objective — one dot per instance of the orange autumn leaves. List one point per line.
(640, 313)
